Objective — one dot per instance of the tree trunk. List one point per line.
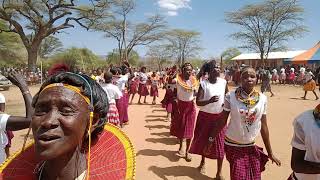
(32, 58)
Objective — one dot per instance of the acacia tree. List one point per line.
(128, 34)
(160, 54)
(34, 20)
(267, 26)
(49, 46)
(228, 54)
(183, 44)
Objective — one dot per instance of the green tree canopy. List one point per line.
(267, 26)
(114, 56)
(81, 58)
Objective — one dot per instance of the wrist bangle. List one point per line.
(25, 92)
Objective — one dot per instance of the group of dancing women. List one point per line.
(71, 120)
(208, 134)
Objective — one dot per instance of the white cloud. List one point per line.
(172, 6)
(172, 13)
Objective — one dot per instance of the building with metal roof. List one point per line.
(274, 59)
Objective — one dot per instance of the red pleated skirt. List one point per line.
(113, 115)
(246, 162)
(122, 106)
(183, 119)
(168, 100)
(143, 90)
(206, 122)
(154, 91)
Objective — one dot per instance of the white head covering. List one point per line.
(2, 99)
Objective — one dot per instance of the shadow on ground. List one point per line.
(157, 127)
(170, 155)
(156, 120)
(162, 134)
(159, 110)
(178, 171)
(166, 141)
(156, 116)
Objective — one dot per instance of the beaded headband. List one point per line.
(72, 88)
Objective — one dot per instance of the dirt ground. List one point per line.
(156, 150)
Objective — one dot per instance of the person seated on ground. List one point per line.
(305, 158)
(14, 123)
(71, 137)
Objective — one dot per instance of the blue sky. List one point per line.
(204, 16)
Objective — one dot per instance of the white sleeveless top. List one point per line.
(216, 89)
(183, 94)
(238, 130)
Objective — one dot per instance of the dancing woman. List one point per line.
(184, 116)
(143, 89)
(248, 117)
(210, 99)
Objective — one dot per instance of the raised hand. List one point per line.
(17, 79)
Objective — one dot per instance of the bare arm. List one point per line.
(266, 140)
(18, 122)
(299, 165)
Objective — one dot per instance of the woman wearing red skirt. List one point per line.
(210, 99)
(154, 87)
(184, 115)
(133, 87)
(169, 97)
(248, 111)
(143, 89)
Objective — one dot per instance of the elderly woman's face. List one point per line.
(59, 122)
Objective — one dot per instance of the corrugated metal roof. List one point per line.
(272, 55)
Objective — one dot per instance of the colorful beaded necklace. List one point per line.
(250, 100)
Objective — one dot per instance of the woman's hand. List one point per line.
(214, 99)
(17, 79)
(275, 160)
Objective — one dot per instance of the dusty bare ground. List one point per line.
(156, 150)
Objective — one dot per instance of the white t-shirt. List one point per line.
(121, 82)
(282, 70)
(238, 130)
(306, 138)
(210, 90)
(302, 69)
(112, 91)
(143, 78)
(274, 71)
(3, 136)
(183, 94)
(308, 76)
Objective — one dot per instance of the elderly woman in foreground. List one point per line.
(72, 139)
